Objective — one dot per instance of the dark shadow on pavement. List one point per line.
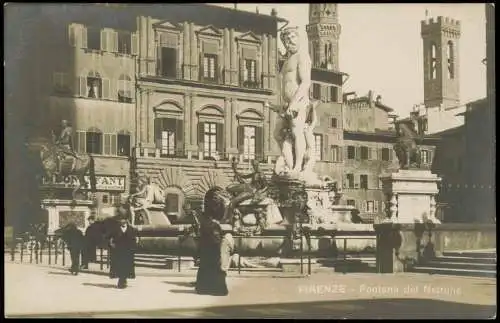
(181, 284)
(183, 291)
(352, 309)
(100, 285)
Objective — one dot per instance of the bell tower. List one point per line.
(323, 33)
(441, 62)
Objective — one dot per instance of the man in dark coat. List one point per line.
(123, 244)
(74, 240)
(91, 241)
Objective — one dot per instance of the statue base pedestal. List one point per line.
(401, 246)
(61, 212)
(412, 193)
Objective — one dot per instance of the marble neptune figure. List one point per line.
(296, 115)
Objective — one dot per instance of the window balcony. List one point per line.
(183, 155)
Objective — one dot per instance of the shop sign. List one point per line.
(103, 182)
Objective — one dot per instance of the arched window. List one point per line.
(125, 89)
(94, 141)
(168, 128)
(433, 62)
(451, 57)
(94, 85)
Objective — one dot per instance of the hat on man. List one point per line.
(91, 218)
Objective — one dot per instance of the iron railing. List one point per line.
(52, 249)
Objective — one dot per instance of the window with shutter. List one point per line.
(107, 144)
(241, 139)
(106, 88)
(134, 44)
(219, 128)
(124, 43)
(324, 93)
(113, 144)
(95, 85)
(210, 139)
(363, 182)
(334, 94)
(125, 89)
(351, 152)
(364, 151)
(167, 62)
(72, 32)
(375, 206)
(123, 144)
(81, 140)
(114, 41)
(81, 89)
(358, 153)
(249, 67)
(350, 180)
(94, 141)
(259, 143)
(316, 91)
(356, 182)
(249, 142)
(425, 156)
(180, 137)
(324, 149)
(201, 133)
(385, 154)
(84, 37)
(370, 206)
(209, 67)
(335, 153)
(318, 146)
(104, 40)
(94, 40)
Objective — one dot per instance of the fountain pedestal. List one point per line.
(410, 195)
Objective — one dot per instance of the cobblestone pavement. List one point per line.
(38, 291)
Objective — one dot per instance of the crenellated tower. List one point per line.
(441, 62)
(323, 32)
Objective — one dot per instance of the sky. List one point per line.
(381, 47)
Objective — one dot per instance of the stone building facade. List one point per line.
(354, 136)
(173, 93)
(201, 91)
(176, 92)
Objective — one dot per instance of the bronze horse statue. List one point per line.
(406, 147)
(51, 154)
